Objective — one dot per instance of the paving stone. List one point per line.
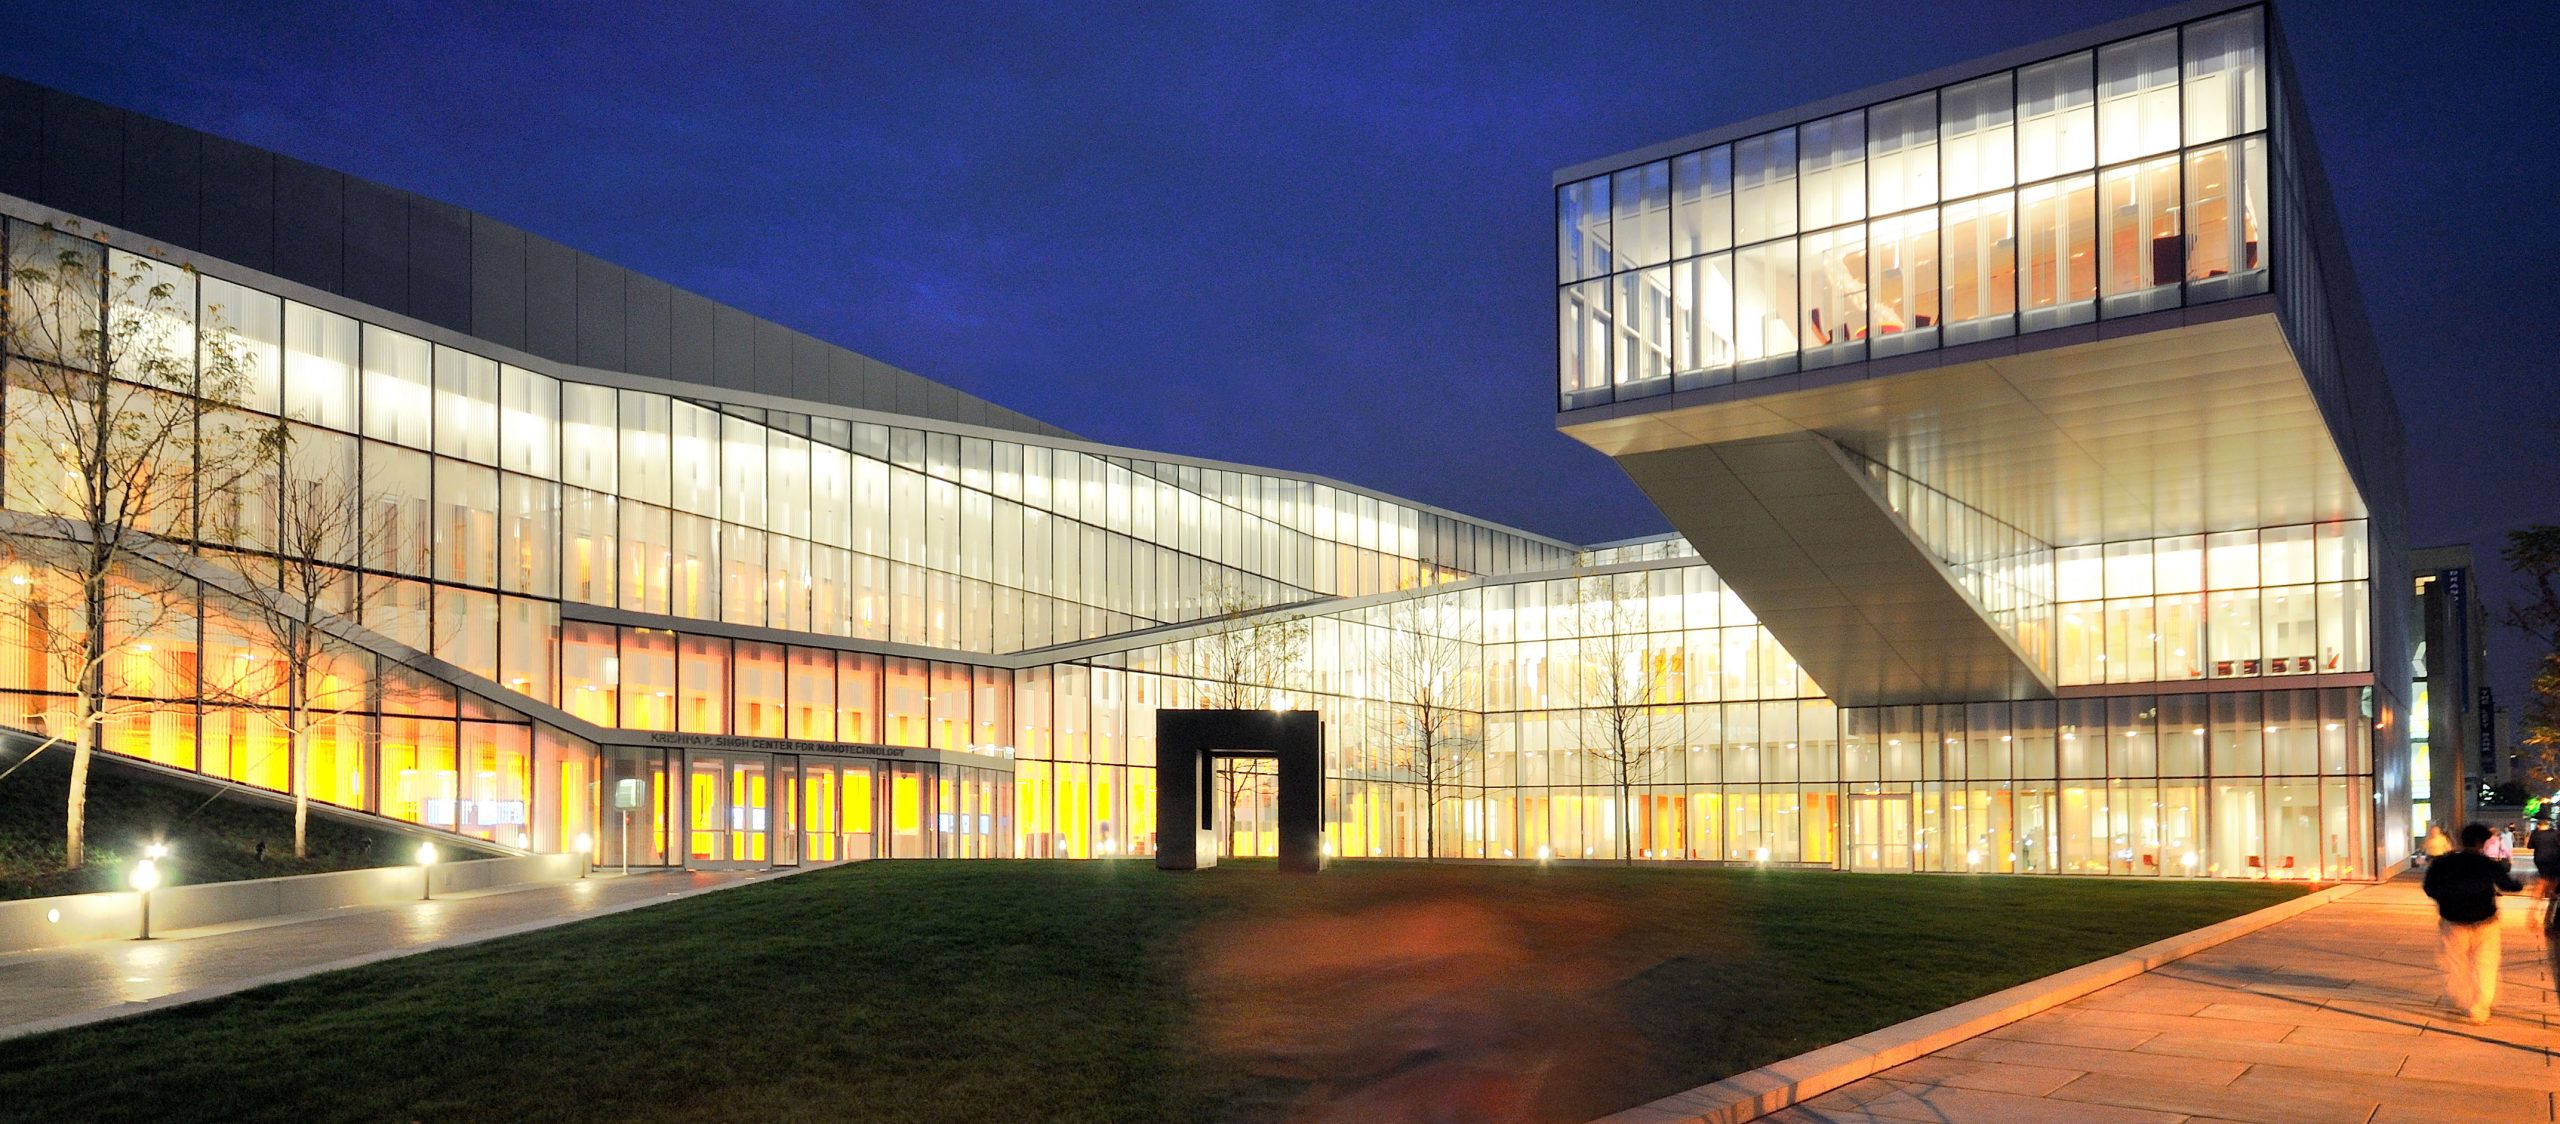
(2340, 1058)
(2121, 1062)
(1936, 1104)
(1970, 1073)
(2190, 1098)
(2062, 1032)
(2453, 1100)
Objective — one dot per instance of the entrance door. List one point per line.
(728, 810)
(1879, 833)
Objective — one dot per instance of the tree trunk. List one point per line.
(75, 820)
(1626, 821)
(300, 717)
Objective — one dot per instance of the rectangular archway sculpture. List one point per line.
(1187, 741)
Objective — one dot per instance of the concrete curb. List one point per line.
(233, 987)
(1749, 1096)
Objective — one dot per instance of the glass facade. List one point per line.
(2104, 183)
(714, 628)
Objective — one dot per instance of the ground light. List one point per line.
(586, 850)
(426, 871)
(144, 876)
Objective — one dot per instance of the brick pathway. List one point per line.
(2335, 1015)
(49, 989)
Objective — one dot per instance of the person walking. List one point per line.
(2465, 885)
(2544, 844)
(2436, 844)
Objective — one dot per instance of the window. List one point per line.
(2057, 131)
(1981, 255)
(1902, 154)
(2225, 84)
(2144, 252)
(529, 422)
(1976, 134)
(1903, 253)
(1765, 179)
(1835, 296)
(319, 367)
(702, 684)
(1702, 319)
(2137, 97)
(2059, 282)
(1765, 307)
(1702, 201)
(587, 436)
(1640, 230)
(399, 387)
(1642, 362)
(1582, 343)
(2226, 213)
(466, 406)
(1834, 168)
(1582, 229)
(648, 425)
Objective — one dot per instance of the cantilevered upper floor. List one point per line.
(2084, 291)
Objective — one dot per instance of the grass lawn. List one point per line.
(1108, 991)
(212, 838)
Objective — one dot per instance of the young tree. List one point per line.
(311, 524)
(1428, 722)
(117, 429)
(1238, 779)
(1246, 662)
(1252, 654)
(2534, 554)
(1619, 691)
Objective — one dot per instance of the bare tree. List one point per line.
(1246, 662)
(1238, 779)
(1252, 654)
(118, 429)
(1619, 691)
(2534, 554)
(311, 522)
(1428, 721)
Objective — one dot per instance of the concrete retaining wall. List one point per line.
(72, 919)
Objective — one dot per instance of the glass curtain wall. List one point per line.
(2104, 183)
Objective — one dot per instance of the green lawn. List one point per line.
(212, 838)
(1108, 991)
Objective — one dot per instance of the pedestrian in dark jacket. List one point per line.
(2544, 843)
(2465, 885)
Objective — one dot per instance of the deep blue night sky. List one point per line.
(1313, 238)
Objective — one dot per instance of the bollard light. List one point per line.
(426, 871)
(1761, 855)
(144, 877)
(156, 851)
(586, 852)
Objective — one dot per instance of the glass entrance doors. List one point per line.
(729, 810)
(1879, 833)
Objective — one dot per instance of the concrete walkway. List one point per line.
(50, 989)
(2335, 1015)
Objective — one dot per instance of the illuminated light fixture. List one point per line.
(142, 647)
(1760, 855)
(1280, 702)
(1973, 858)
(426, 871)
(1545, 852)
(2333, 726)
(1328, 847)
(2189, 861)
(2198, 731)
(2273, 730)
(144, 876)
(2004, 737)
(586, 849)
